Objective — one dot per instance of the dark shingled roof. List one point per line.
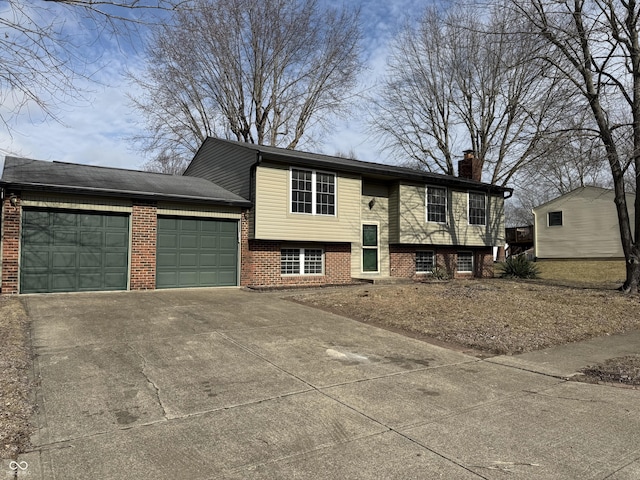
(298, 157)
(86, 179)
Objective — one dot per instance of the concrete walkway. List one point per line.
(204, 384)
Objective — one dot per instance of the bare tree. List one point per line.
(43, 47)
(462, 79)
(594, 44)
(260, 72)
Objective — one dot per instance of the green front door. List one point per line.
(196, 252)
(70, 251)
(370, 248)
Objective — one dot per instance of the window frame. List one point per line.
(433, 261)
(446, 204)
(484, 196)
(549, 224)
(458, 254)
(315, 206)
(301, 261)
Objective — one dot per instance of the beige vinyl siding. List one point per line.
(378, 215)
(273, 218)
(414, 228)
(80, 202)
(188, 210)
(589, 226)
(394, 217)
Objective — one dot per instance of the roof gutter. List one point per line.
(123, 193)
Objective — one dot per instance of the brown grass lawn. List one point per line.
(598, 273)
(15, 364)
(494, 316)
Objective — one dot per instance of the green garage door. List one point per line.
(69, 251)
(196, 252)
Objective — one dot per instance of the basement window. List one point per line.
(424, 262)
(301, 261)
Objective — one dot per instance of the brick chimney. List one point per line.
(470, 166)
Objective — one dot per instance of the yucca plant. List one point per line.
(518, 267)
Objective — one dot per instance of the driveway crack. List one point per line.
(144, 373)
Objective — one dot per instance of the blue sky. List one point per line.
(94, 131)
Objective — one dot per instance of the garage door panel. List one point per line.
(188, 278)
(71, 251)
(189, 240)
(116, 239)
(227, 260)
(89, 259)
(36, 282)
(91, 221)
(112, 281)
(36, 259)
(166, 259)
(89, 281)
(166, 278)
(188, 260)
(208, 260)
(64, 260)
(64, 219)
(227, 243)
(68, 238)
(167, 240)
(116, 260)
(64, 281)
(36, 218)
(91, 239)
(195, 258)
(227, 278)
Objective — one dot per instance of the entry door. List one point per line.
(370, 248)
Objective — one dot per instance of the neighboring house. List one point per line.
(580, 224)
(242, 215)
(318, 219)
(68, 227)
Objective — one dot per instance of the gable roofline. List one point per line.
(317, 160)
(71, 178)
(575, 192)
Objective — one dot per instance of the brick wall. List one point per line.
(402, 261)
(144, 226)
(261, 264)
(10, 245)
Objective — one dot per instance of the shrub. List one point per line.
(518, 267)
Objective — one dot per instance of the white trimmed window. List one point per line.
(477, 208)
(555, 219)
(313, 192)
(465, 262)
(437, 204)
(301, 261)
(424, 262)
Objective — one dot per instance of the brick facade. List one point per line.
(260, 266)
(402, 259)
(144, 228)
(10, 245)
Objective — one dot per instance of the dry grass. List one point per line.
(493, 316)
(15, 384)
(624, 370)
(600, 273)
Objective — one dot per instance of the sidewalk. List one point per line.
(565, 361)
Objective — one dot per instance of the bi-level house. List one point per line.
(243, 214)
(318, 219)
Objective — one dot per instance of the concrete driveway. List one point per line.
(223, 383)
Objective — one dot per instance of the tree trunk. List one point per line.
(633, 276)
